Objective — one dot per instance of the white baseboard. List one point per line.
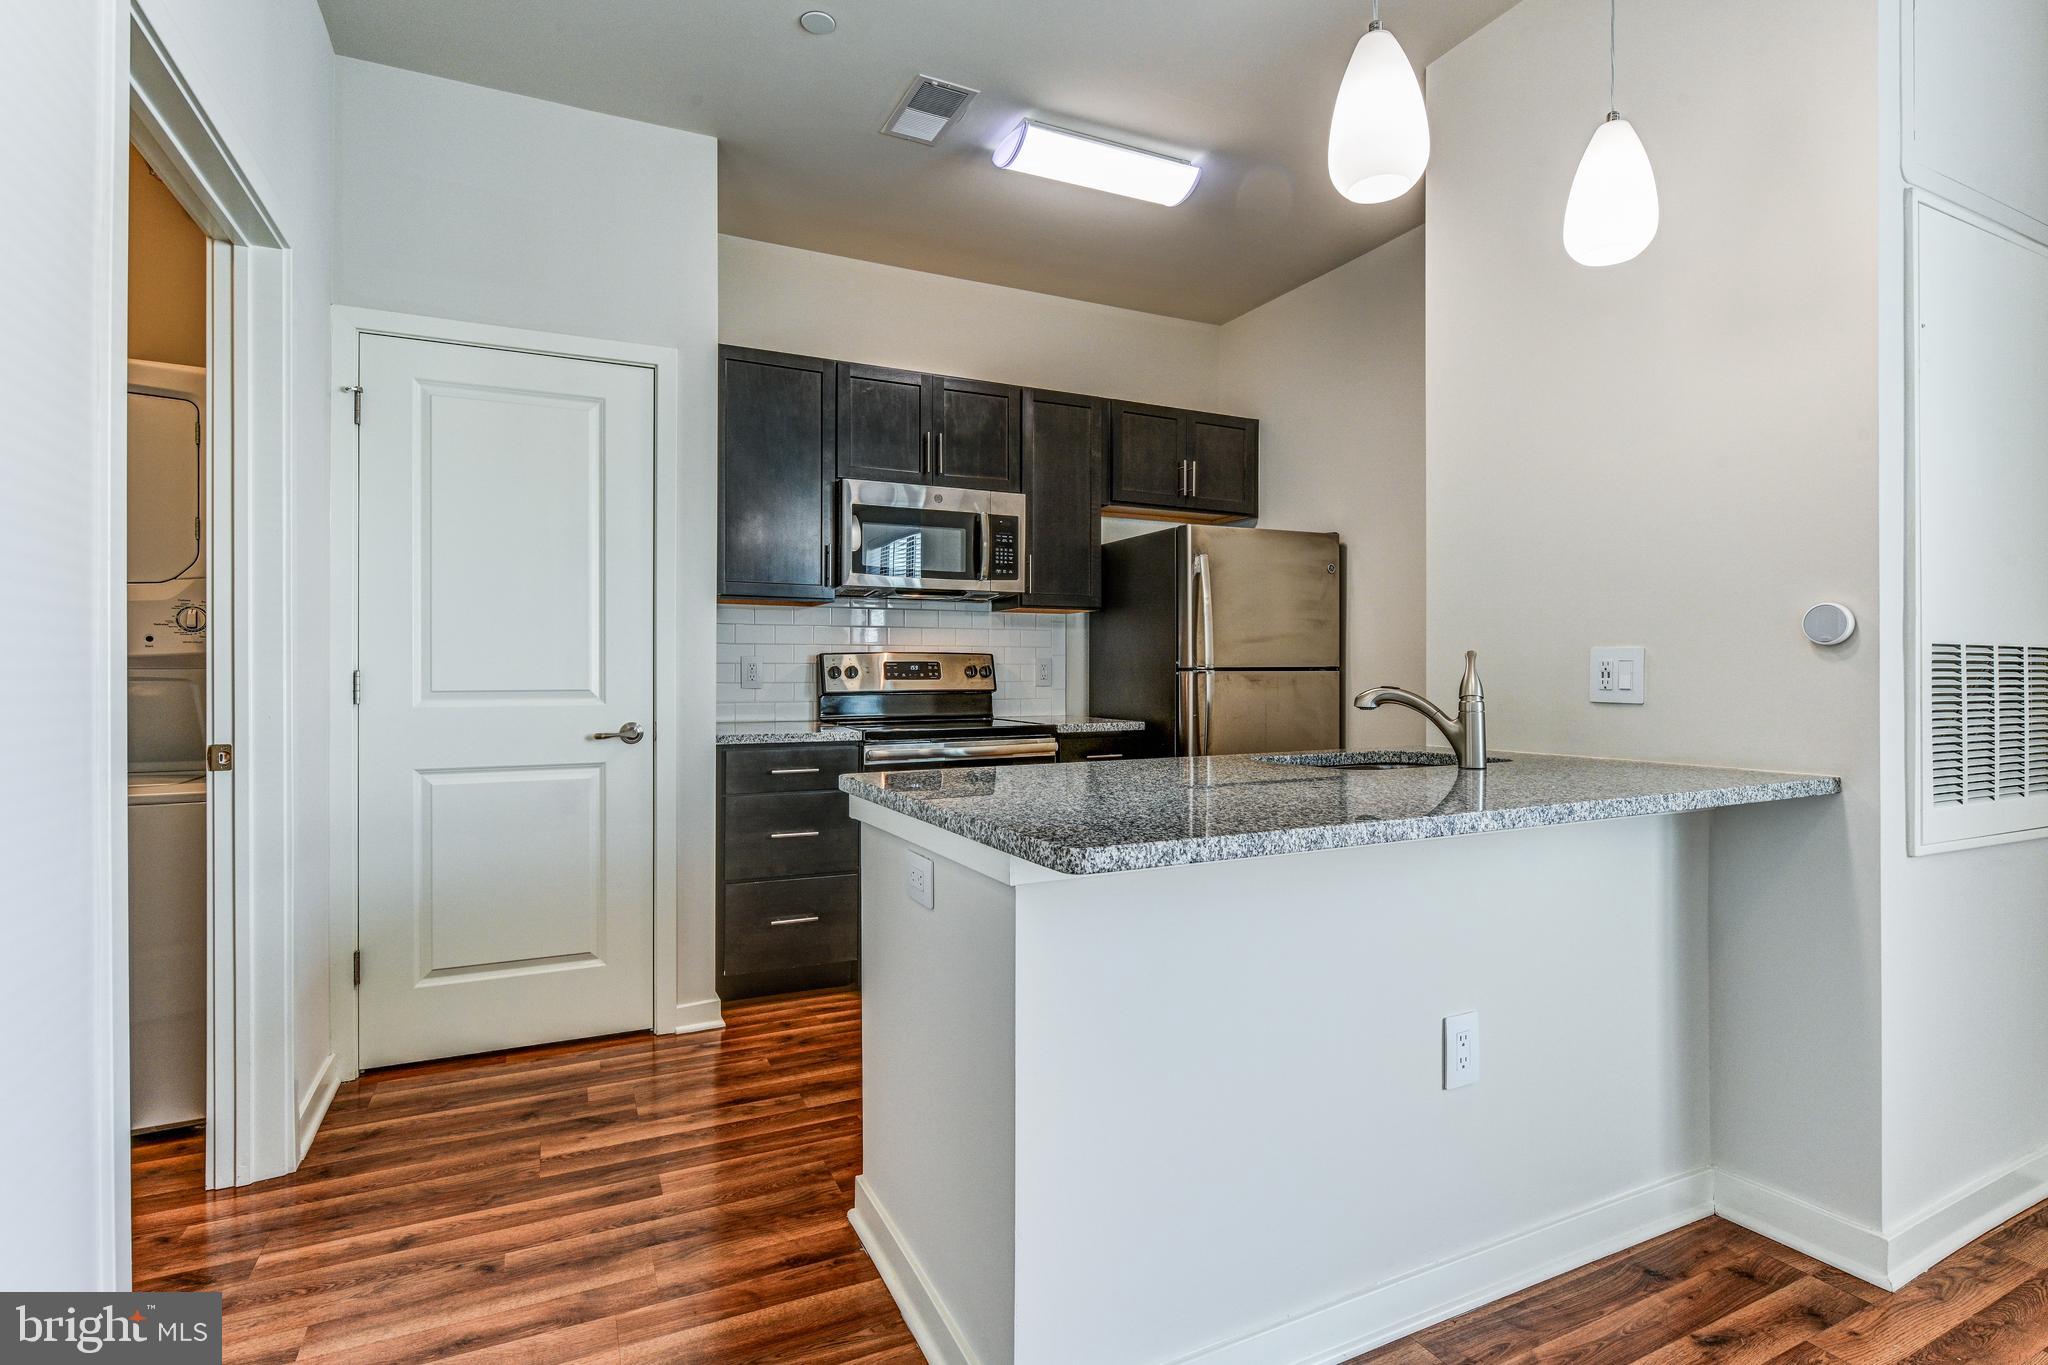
(1821, 1233)
(937, 1335)
(1965, 1216)
(1395, 1308)
(696, 1016)
(313, 1103)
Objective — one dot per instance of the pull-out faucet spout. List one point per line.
(1466, 735)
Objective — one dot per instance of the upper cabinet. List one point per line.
(902, 427)
(1064, 447)
(1197, 466)
(775, 451)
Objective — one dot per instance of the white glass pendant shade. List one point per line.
(1612, 212)
(1379, 132)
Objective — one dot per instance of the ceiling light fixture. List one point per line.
(1057, 154)
(817, 22)
(1379, 131)
(1612, 213)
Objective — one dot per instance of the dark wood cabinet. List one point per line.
(1064, 445)
(1104, 747)
(899, 426)
(788, 869)
(775, 460)
(882, 429)
(1184, 465)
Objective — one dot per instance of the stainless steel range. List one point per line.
(926, 710)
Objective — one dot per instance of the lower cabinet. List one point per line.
(788, 870)
(1096, 748)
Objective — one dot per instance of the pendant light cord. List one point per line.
(1611, 4)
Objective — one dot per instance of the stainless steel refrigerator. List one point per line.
(1223, 640)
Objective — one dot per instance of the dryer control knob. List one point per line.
(191, 620)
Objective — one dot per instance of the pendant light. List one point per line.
(1379, 131)
(1612, 212)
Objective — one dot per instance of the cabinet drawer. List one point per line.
(797, 835)
(803, 922)
(1097, 747)
(750, 769)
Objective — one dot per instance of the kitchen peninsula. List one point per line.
(1152, 1050)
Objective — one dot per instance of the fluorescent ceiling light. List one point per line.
(1038, 149)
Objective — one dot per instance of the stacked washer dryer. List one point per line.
(166, 748)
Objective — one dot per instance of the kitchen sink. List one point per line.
(1380, 761)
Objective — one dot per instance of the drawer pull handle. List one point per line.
(789, 772)
(1095, 756)
(792, 919)
(795, 834)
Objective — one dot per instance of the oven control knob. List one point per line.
(986, 671)
(833, 671)
(191, 619)
(853, 671)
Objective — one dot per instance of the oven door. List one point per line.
(898, 537)
(897, 755)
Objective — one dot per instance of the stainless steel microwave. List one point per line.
(900, 539)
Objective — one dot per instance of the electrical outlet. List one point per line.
(917, 879)
(750, 673)
(1461, 1049)
(1045, 672)
(1617, 675)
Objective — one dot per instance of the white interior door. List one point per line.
(506, 620)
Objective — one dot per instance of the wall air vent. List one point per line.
(1987, 707)
(926, 108)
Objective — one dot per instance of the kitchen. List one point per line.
(923, 887)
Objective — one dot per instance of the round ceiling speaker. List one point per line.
(1829, 623)
(817, 21)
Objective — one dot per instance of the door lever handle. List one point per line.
(630, 732)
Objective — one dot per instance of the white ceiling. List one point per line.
(1242, 86)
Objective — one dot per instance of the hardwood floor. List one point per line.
(684, 1199)
(677, 1199)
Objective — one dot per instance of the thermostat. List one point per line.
(1829, 623)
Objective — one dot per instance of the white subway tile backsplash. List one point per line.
(786, 641)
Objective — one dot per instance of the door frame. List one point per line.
(670, 737)
(252, 1115)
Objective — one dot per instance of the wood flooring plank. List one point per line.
(1765, 1329)
(2009, 1332)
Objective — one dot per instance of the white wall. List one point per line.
(781, 298)
(1965, 932)
(263, 72)
(1333, 370)
(63, 980)
(467, 203)
(1680, 453)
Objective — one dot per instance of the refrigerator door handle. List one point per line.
(1205, 603)
(1208, 711)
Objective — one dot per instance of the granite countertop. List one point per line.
(783, 732)
(1084, 818)
(1088, 725)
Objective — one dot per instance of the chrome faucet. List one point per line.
(1467, 734)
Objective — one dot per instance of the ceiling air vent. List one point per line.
(925, 110)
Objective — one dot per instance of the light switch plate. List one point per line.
(1617, 678)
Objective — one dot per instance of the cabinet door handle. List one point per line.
(1183, 488)
(1092, 757)
(789, 772)
(1194, 478)
(792, 919)
(795, 834)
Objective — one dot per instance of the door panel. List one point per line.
(505, 617)
(775, 472)
(1063, 482)
(1275, 595)
(1225, 473)
(1260, 712)
(881, 424)
(978, 427)
(1147, 449)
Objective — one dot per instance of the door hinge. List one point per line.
(355, 392)
(356, 969)
(220, 758)
(355, 687)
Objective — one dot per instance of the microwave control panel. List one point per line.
(1002, 548)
